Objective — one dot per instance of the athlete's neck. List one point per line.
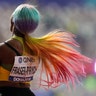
(18, 33)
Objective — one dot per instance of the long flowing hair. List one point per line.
(60, 61)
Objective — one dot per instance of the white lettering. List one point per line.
(22, 79)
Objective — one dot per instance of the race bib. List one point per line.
(23, 69)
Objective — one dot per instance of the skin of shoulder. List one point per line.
(7, 54)
(2, 50)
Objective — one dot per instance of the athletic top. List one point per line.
(4, 69)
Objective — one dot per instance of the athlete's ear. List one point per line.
(12, 26)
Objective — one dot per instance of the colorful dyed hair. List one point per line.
(60, 61)
(25, 18)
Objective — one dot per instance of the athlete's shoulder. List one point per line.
(2, 50)
(1, 46)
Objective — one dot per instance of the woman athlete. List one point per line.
(21, 55)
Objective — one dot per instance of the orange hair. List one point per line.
(60, 61)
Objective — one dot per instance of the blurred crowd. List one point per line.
(81, 21)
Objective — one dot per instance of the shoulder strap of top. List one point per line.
(21, 40)
(17, 53)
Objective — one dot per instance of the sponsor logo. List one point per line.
(26, 60)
